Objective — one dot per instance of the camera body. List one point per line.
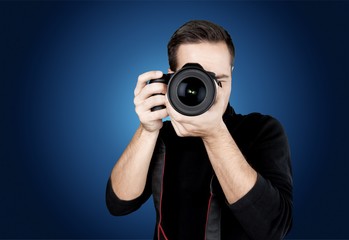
(191, 90)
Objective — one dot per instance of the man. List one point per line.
(218, 175)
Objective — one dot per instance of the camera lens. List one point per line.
(191, 91)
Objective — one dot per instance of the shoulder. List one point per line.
(252, 121)
(255, 127)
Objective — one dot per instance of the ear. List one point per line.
(170, 71)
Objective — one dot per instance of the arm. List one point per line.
(269, 202)
(257, 181)
(127, 187)
(235, 175)
(129, 175)
(263, 206)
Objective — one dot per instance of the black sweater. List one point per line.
(189, 201)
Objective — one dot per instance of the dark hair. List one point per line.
(197, 31)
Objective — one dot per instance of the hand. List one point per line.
(144, 100)
(202, 125)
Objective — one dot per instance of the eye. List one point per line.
(222, 77)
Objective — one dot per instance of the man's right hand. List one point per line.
(145, 99)
(129, 175)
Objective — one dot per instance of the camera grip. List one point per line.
(164, 79)
(156, 108)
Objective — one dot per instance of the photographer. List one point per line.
(213, 175)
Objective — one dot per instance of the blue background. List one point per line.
(68, 70)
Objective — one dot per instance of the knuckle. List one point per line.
(149, 75)
(160, 88)
(136, 101)
(138, 111)
(136, 92)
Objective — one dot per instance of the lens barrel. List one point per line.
(191, 90)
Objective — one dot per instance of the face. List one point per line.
(213, 57)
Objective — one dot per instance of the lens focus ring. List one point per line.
(191, 91)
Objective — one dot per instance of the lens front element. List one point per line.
(191, 91)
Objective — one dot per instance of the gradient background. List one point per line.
(68, 70)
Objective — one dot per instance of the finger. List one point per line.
(159, 114)
(153, 89)
(157, 100)
(149, 91)
(146, 106)
(179, 129)
(144, 78)
(149, 116)
(220, 103)
(149, 103)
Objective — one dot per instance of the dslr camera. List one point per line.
(191, 90)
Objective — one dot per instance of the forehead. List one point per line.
(213, 57)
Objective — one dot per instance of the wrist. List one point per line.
(142, 131)
(216, 133)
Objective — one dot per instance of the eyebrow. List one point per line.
(220, 76)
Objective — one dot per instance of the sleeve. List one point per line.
(265, 212)
(118, 207)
